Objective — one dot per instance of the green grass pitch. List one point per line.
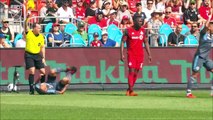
(108, 105)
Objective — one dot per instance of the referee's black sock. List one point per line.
(42, 78)
(31, 82)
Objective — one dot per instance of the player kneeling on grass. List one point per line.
(56, 87)
(201, 57)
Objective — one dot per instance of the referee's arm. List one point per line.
(26, 27)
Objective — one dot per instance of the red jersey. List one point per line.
(101, 23)
(204, 12)
(115, 22)
(96, 43)
(135, 39)
(132, 5)
(80, 12)
(170, 21)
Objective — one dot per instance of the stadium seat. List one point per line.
(48, 27)
(8, 42)
(68, 31)
(185, 29)
(91, 29)
(164, 32)
(18, 37)
(70, 28)
(190, 40)
(77, 41)
(114, 33)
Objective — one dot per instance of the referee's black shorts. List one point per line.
(33, 60)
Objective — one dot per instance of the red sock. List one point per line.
(131, 80)
(135, 78)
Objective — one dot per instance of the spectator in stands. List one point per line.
(175, 5)
(195, 30)
(107, 42)
(191, 14)
(125, 23)
(112, 19)
(98, 19)
(7, 31)
(48, 10)
(199, 3)
(96, 42)
(55, 38)
(59, 3)
(168, 19)
(66, 12)
(144, 3)
(205, 9)
(79, 10)
(81, 31)
(132, 5)
(51, 12)
(124, 12)
(175, 38)
(153, 25)
(140, 13)
(3, 43)
(161, 5)
(149, 9)
(90, 11)
(106, 8)
(116, 4)
(21, 43)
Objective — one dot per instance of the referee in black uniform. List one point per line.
(34, 53)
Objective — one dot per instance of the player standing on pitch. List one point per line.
(34, 53)
(201, 56)
(134, 36)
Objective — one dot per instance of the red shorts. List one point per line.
(135, 62)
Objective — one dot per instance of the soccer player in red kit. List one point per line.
(134, 37)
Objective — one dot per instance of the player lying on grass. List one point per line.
(56, 87)
(201, 57)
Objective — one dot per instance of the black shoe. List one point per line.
(31, 92)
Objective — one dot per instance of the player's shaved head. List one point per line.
(138, 22)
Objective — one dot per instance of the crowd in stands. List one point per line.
(189, 15)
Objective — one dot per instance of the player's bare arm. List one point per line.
(148, 50)
(124, 38)
(63, 90)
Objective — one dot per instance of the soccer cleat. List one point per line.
(133, 94)
(127, 93)
(190, 95)
(31, 92)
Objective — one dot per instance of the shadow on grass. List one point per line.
(102, 94)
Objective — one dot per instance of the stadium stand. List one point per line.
(190, 40)
(164, 32)
(91, 29)
(115, 33)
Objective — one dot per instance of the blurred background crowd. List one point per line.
(81, 23)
